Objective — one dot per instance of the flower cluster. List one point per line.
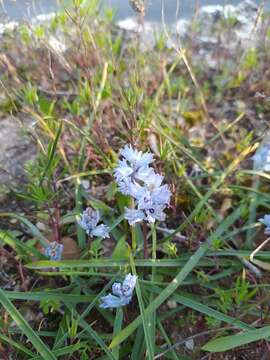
(89, 222)
(54, 251)
(262, 158)
(266, 221)
(121, 293)
(136, 178)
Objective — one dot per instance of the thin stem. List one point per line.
(133, 238)
(145, 249)
(133, 229)
(154, 242)
(154, 256)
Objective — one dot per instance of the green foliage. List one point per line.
(84, 104)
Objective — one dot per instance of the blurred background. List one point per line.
(22, 9)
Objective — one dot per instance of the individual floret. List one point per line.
(266, 221)
(262, 158)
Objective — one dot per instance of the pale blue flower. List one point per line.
(123, 170)
(121, 293)
(151, 200)
(155, 212)
(136, 158)
(124, 186)
(144, 174)
(262, 158)
(129, 284)
(132, 166)
(89, 222)
(136, 178)
(266, 221)
(54, 251)
(112, 301)
(133, 216)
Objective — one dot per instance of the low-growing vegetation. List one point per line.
(138, 228)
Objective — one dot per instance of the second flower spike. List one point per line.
(121, 293)
(89, 222)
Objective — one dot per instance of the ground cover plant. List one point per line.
(140, 228)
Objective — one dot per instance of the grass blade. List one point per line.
(25, 328)
(230, 342)
(176, 282)
(146, 321)
(117, 328)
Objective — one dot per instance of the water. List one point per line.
(26, 9)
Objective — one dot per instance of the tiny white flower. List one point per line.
(123, 170)
(89, 222)
(145, 174)
(136, 158)
(117, 289)
(124, 187)
(162, 195)
(129, 284)
(262, 158)
(266, 221)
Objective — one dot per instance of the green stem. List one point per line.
(133, 230)
(154, 256)
(145, 249)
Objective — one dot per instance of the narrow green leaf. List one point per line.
(63, 351)
(177, 281)
(159, 263)
(16, 345)
(146, 321)
(230, 342)
(116, 329)
(51, 154)
(48, 295)
(204, 309)
(88, 328)
(34, 230)
(26, 328)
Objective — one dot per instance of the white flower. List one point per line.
(262, 158)
(133, 165)
(123, 170)
(266, 221)
(121, 293)
(136, 158)
(89, 222)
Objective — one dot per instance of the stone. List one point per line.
(16, 148)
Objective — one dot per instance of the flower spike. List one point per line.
(89, 222)
(121, 293)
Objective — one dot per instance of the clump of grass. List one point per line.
(88, 98)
